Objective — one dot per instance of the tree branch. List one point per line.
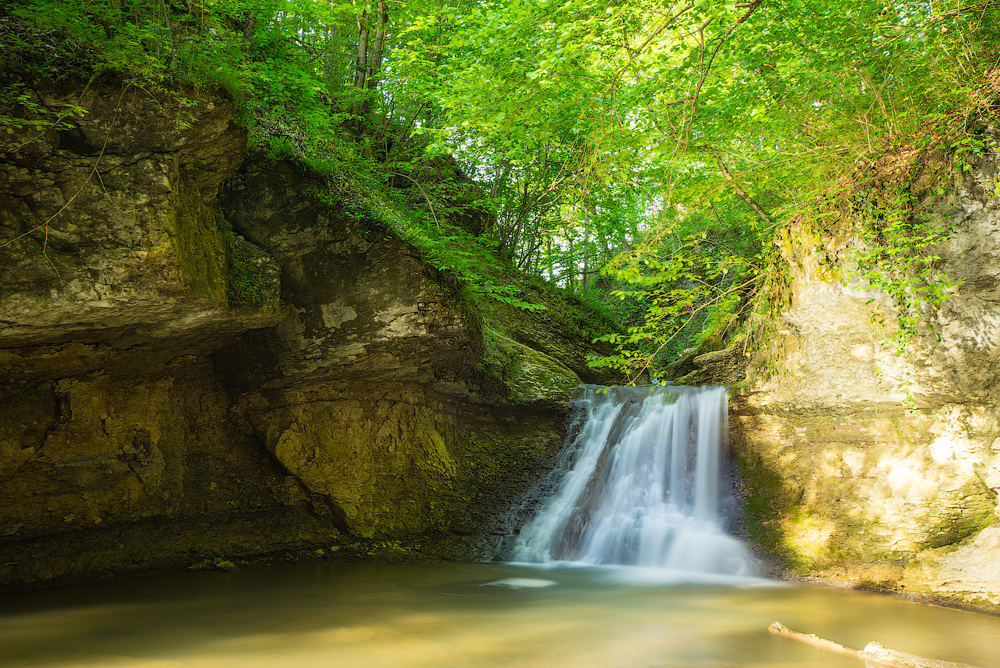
(742, 194)
(873, 653)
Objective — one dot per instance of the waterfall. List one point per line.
(641, 483)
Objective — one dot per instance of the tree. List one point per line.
(661, 141)
(722, 119)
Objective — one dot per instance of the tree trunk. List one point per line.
(374, 62)
(249, 28)
(361, 65)
(332, 71)
(548, 258)
(586, 249)
(570, 263)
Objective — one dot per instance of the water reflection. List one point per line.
(462, 615)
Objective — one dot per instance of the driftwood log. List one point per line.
(873, 653)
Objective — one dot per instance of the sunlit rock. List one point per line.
(865, 465)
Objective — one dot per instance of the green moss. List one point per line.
(585, 317)
(197, 233)
(216, 263)
(765, 508)
(498, 357)
(536, 377)
(516, 355)
(381, 552)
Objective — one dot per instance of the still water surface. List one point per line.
(465, 615)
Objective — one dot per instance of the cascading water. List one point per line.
(641, 484)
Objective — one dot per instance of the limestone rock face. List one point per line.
(105, 226)
(967, 572)
(202, 363)
(874, 467)
(360, 303)
(115, 277)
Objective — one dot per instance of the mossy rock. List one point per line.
(536, 378)
(198, 235)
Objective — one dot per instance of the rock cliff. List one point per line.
(201, 363)
(870, 466)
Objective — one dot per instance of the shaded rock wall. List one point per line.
(367, 392)
(849, 484)
(116, 431)
(199, 362)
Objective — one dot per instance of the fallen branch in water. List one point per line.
(873, 653)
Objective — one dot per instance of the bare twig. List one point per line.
(422, 192)
(740, 192)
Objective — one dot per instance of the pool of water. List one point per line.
(343, 615)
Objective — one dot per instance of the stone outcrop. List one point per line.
(872, 467)
(368, 391)
(200, 362)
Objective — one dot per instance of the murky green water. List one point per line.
(450, 615)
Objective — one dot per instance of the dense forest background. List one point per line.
(645, 155)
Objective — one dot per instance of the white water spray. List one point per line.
(641, 484)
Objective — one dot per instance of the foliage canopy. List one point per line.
(644, 153)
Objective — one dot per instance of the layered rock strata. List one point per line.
(201, 363)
